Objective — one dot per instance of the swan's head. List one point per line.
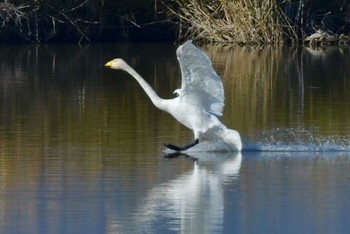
(117, 63)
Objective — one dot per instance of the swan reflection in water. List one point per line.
(193, 202)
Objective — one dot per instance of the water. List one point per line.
(81, 146)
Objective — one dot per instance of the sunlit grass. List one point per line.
(245, 21)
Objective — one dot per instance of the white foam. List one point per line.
(296, 140)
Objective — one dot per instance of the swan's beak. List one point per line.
(109, 64)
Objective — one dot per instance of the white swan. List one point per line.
(200, 99)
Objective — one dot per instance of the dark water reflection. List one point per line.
(81, 146)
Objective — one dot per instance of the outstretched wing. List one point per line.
(201, 86)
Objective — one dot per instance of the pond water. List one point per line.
(81, 146)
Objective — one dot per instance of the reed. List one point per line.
(82, 20)
(238, 21)
(218, 21)
(40, 21)
(12, 15)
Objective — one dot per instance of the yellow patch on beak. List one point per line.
(109, 64)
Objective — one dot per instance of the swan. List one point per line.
(200, 100)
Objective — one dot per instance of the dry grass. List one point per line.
(239, 21)
(11, 13)
(37, 21)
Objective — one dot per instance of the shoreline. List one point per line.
(95, 21)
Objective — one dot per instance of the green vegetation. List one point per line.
(213, 21)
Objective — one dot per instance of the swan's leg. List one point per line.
(178, 148)
(191, 145)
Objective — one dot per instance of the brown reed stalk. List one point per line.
(239, 21)
(37, 21)
(11, 13)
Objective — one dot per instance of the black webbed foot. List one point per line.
(178, 148)
(173, 147)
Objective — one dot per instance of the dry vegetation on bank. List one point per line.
(262, 22)
(83, 21)
(209, 21)
(245, 21)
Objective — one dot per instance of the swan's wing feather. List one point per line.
(201, 85)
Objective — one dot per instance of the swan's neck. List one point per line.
(157, 101)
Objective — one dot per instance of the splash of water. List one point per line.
(296, 140)
(282, 140)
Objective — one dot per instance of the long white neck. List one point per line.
(156, 100)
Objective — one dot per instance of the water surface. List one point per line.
(81, 146)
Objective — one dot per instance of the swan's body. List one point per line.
(200, 99)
